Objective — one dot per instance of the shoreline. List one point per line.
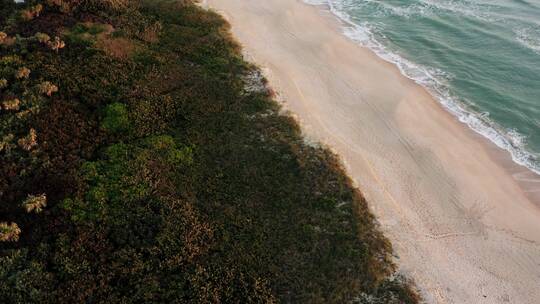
(472, 119)
(463, 218)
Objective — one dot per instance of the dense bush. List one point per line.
(141, 161)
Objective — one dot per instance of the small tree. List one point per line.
(22, 73)
(32, 12)
(56, 44)
(3, 37)
(9, 232)
(35, 203)
(42, 38)
(29, 142)
(47, 88)
(11, 105)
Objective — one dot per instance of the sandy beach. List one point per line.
(464, 220)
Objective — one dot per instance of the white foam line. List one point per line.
(529, 38)
(511, 141)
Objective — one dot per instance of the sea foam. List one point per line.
(529, 37)
(435, 81)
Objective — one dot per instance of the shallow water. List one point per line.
(481, 59)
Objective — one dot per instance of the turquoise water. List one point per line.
(480, 59)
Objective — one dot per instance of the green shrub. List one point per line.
(24, 280)
(116, 118)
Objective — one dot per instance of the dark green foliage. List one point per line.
(24, 280)
(6, 10)
(167, 180)
(116, 118)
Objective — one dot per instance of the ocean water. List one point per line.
(479, 58)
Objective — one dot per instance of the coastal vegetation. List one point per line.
(142, 160)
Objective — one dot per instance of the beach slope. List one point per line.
(463, 219)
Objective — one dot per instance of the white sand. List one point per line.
(461, 216)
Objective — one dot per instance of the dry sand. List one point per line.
(461, 216)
